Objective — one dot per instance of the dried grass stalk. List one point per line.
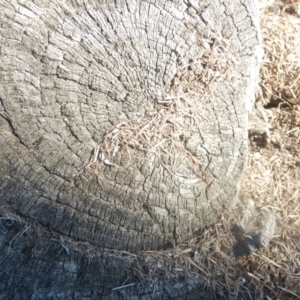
(280, 71)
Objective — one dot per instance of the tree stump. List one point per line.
(124, 123)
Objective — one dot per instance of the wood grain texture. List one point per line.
(70, 71)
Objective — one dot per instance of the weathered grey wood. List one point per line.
(42, 267)
(70, 70)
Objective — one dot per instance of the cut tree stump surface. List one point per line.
(123, 124)
(72, 72)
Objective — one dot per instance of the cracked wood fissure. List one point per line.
(72, 70)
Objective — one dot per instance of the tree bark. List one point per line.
(35, 266)
(124, 124)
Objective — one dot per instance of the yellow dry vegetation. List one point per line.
(272, 176)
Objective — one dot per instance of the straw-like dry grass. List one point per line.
(272, 179)
(162, 133)
(280, 71)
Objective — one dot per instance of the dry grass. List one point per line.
(162, 133)
(273, 173)
(280, 71)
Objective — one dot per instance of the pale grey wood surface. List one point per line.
(71, 70)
